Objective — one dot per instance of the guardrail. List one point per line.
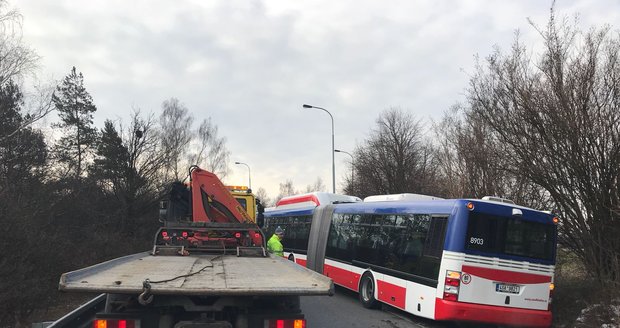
(83, 316)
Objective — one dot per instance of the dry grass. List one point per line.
(66, 303)
(579, 300)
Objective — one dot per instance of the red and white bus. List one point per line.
(486, 261)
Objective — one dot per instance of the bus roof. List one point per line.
(442, 206)
(315, 199)
(399, 197)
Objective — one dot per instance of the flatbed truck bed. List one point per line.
(203, 274)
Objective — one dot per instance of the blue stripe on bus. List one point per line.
(289, 212)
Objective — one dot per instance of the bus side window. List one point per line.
(269, 227)
(332, 237)
(338, 239)
(304, 231)
(285, 224)
(433, 246)
(291, 229)
(416, 233)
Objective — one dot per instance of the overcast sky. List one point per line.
(251, 64)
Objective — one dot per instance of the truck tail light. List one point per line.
(451, 286)
(285, 323)
(116, 323)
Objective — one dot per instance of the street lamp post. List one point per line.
(249, 174)
(342, 151)
(333, 156)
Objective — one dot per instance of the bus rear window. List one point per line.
(510, 236)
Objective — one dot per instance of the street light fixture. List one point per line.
(333, 156)
(249, 174)
(342, 151)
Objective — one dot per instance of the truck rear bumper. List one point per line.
(456, 311)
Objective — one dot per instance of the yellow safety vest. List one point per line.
(275, 246)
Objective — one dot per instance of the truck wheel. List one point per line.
(291, 257)
(367, 291)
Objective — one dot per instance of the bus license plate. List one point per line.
(507, 288)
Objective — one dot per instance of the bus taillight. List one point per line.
(551, 288)
(451, 286)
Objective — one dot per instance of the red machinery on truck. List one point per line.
(208, 269)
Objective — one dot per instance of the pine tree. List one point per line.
(75, 109)
(22, 149)
(112, 157)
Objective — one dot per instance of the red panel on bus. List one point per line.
(391, 294)
(342, 277)
(301, 262)
(447, 310)
(506, 276)
(301, 199)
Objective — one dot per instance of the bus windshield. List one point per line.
(511, 236)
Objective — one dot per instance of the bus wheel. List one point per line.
(291, 257)
(367, 291)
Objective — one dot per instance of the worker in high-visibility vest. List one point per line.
(274, 244)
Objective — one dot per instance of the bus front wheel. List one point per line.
(291, 257)
(367, 291)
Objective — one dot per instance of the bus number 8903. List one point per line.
(476, 241)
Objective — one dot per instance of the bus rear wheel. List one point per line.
(367, 291)
(291, 257)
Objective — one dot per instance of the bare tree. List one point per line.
(472, 162)
(16, 59)
(211, 152)
(128, 165)
(264, 197)
(396, 158)
(318, 185)
(175, 136)
(559, 119)
(286, 189)
(145, 155)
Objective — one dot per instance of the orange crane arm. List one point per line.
(211, 200)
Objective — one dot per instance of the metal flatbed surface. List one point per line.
(198, 275)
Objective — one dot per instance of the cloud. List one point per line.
(250, 65)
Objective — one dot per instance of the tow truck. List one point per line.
(247, 199)
(208, 268)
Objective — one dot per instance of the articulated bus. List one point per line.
(474, 260)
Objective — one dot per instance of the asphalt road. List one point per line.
(344, 310)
